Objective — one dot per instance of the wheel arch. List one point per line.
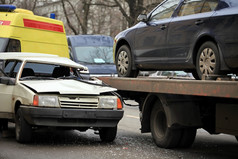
(17, 106)
(120, 43)
(146, 112)
(199, 43)
(181, 111)
(202, 39)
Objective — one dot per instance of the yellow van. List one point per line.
(22, 31)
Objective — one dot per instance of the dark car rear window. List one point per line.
(227, 4)
(190, 7)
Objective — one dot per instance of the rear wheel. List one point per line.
(163, 136)
(208, 60)
(236, 138)
(108, 134)
(124, 63)
(22, 129)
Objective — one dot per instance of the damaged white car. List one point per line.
(40, 90)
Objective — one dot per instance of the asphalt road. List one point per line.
(130, 143)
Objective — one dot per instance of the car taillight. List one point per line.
(119, 104)
(13, 46)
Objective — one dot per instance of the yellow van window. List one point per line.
(13, 46)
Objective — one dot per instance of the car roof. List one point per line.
(41, 58)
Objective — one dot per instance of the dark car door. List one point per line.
(150, 38)
(192, 17)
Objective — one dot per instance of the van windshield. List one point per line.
(3, 44)
(94, 55)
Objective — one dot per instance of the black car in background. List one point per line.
(198, 36)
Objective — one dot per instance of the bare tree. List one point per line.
(27, 4)
(81, 18)
(7, 1)
(132, 10)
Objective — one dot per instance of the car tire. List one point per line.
(163, 136)
(22, 129)
(208, 60)
(124, 63)
(188, 137)
(108, 134)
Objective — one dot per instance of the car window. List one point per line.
(3, 43)
(12, 68)
(47, 70)
(165, 10)
(40, 68)
(228, 3)
(209, 5)
(94, 55)
(190, 7)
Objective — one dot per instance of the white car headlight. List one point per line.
(108, 102)
(50, 101)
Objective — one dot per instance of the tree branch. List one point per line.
(67, 19)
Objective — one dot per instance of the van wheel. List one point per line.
(108, 134)
(22, 129)
(163, 136)
(124, 63)
(208, 60)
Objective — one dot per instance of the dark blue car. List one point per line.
(93, 51)
(198, 36)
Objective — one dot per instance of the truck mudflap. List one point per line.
(58, 117)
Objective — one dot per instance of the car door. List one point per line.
(191, 19)
(10, 68)
(150, 37)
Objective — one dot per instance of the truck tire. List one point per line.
(188, 137)
(208, 60)
(163, 136)
(22, 129)
(108, 134)
(124, 62)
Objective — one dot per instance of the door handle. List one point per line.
(198, 22)
(162, 27)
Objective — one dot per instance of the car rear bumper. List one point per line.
(57, 117)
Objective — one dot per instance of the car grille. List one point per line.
(78, 102)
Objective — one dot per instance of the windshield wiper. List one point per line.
(36, 78)
(85, 62)
(67, 77)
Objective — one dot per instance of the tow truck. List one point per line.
(173, 109)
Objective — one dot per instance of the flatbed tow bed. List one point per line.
(173, 109)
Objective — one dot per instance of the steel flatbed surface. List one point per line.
(225, 89)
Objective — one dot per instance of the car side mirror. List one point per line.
(142, 18)
(7, 80)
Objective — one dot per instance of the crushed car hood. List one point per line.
(66, 87)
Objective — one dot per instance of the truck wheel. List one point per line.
(124, 63)
(208, 60)
(108, 134)
(163, 136)
(22, 129)
(188, 137)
